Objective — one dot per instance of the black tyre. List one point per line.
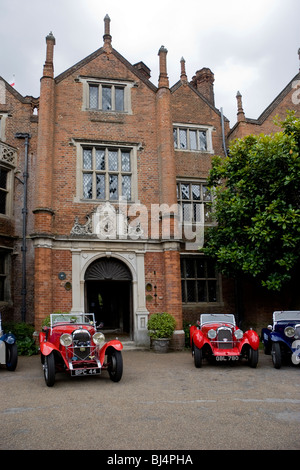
(49, 369)
(115, 365)
(197, 357)
(276, 355)
(11, 356)
(253, 358)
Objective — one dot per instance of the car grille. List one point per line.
(224, 338)
(81, 344)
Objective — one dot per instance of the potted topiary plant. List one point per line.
(161, 327)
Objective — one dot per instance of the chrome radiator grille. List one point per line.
(81, 343)
(224, 338)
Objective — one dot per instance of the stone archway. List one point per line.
(108, 294)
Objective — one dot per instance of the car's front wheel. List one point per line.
(276, 355)
(11, 356)
(197, 357)
(49, 369)
(253, 357)
(115, 365)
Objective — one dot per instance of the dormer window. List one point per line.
(192, 138)
(106, 95)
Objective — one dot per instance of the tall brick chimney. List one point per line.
(240, 111)
(107, 36)
(203, 81)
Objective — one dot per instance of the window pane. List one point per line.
(190, 268)
(191, 291)
(119, 97)
(212, 291)
(100, 160)
(202, 140)
(87, 186)
(201, 291)
(185, 191)
(196, 192)
(87, 159)
(197, 212)
(175, 138)
(187, 212)
(2, 264)
(113, 187)
(125, 161)
(126, 186)
(183, 138)
(193, 140)
(3, 178)
(113, 160)
(93, 99)
(206, 193)
(100, 189)
(106, 98)
(3, 195)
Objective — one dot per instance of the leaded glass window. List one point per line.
(107, 97)
(196, 202)
(106, 173)
(199, 280)
(190, 139)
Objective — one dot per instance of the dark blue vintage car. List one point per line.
(282, 339)
(8, 349)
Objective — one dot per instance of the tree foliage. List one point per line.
(257, 206)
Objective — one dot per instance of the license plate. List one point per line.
(78, 372)
(227, 358)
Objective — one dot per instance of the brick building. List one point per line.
(116, 202)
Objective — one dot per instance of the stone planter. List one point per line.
(160, 345)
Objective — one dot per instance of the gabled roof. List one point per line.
(96, 54)
(16, 94)
(177, 85)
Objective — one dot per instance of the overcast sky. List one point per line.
(250, 45)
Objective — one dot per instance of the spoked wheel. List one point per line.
(197, 357)
(49, 369)
(11, 356)
(115, 367)
(276, 355)
(253, 358)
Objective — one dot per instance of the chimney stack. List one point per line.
(107, 37)
(203, 81)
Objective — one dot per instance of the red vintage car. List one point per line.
(72, 344)
(217, 338)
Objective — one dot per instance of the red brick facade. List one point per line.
(170, 135)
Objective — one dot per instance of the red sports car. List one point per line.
(72, 344)
(216, 337)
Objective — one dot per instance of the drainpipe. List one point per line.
(223, 132)
(25, 136)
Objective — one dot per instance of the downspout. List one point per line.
(223, 133)
(24, 212)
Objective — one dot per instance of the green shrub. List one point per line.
(161, 325)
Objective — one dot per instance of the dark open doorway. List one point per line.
(108, 294)
(110, 302)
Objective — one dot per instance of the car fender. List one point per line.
(116, 344)
(8, 338)
(198, 339)
(46, 348)
(252, 338)
(277, 338)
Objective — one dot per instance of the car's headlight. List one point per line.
(66, 339)
(238, 334)
(99, 338)
(289, 331)
(211, 334)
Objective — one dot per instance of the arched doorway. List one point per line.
(108, 294)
